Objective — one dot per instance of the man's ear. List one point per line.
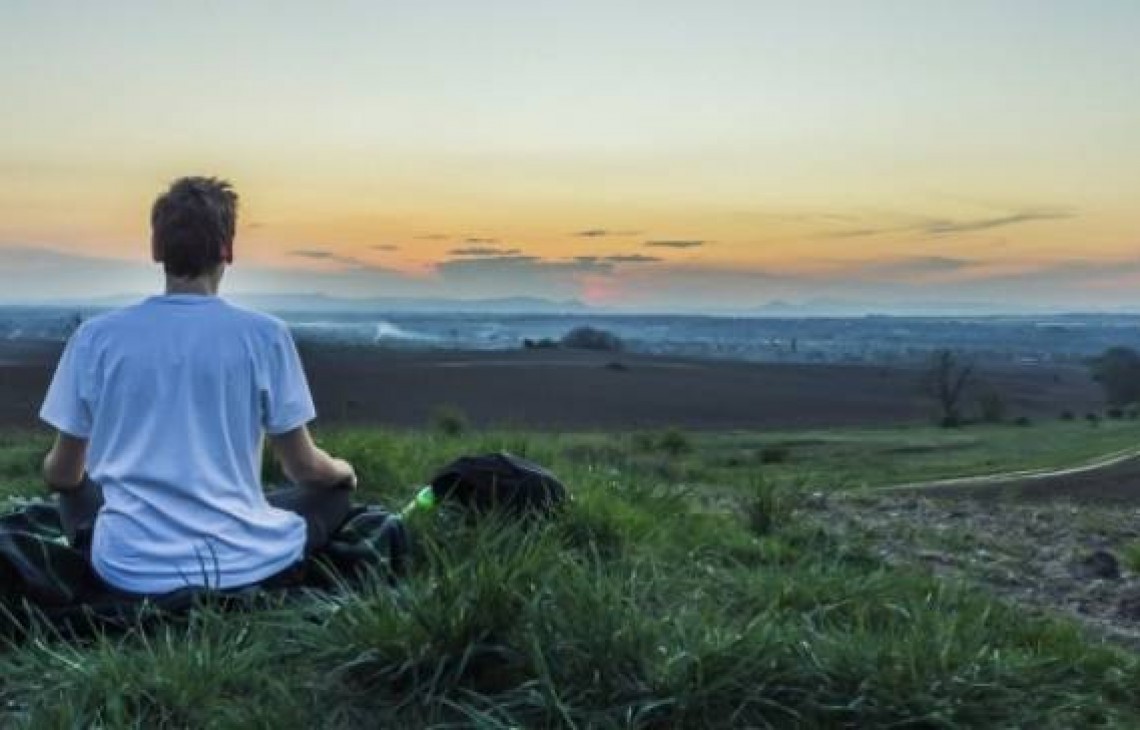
(228, 253)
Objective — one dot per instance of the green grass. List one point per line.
(637, 608)
(1131, 555)
(859, 458)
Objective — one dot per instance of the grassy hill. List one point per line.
(682, 589)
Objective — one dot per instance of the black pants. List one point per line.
(324, 511)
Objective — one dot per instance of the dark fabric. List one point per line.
(78, 509)
(43, 573)
(324, 510)
(499, 482)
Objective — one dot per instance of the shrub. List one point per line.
(1068, 416)
(450, 421)
(592, 338)
(1022, 421)
(674, 442)
(644, 441)
(1116, 413)
(1093, 419)
(950, 422)
(544, 344)
(775, 455)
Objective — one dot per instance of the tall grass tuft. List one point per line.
(767, 506)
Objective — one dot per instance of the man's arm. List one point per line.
(65, 463)
(307, 464)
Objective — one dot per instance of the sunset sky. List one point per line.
(642, 155)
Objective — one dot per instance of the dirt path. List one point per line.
(1061, 540)
(1113, 477)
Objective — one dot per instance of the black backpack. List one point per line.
(501, 482)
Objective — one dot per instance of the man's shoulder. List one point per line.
(256, 320)
(226, 315)
(95, 324)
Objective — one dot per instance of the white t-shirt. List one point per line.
(174, 394)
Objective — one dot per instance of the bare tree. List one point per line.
(945, 380)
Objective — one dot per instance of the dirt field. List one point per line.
(586, 391)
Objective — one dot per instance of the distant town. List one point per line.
(1020, 339)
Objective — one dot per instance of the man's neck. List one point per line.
(204, 285)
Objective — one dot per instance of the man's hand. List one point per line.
(307, 464)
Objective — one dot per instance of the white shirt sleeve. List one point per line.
(286, 401)
(68, 404)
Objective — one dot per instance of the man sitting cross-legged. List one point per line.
(161, 410)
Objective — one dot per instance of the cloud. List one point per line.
(676, 243)
(1071, 271)
(481, 241)
(312, 253)
(484, 251)
(346, 263)
(525, 265)
(625, 258)
(946, 226)
(385, 247)
(916, 266)
(433, 237)
(39, 272)
(940, 227)
(317, 254)
(860, 232)
(518, 274)
(602, 232)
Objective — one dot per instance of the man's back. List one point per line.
(173, 395)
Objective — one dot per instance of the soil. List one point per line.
(574, 390)
(1080, 560)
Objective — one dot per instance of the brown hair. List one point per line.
(191, 224)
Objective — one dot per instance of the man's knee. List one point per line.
(325, 510)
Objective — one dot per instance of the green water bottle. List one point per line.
(424, 501)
